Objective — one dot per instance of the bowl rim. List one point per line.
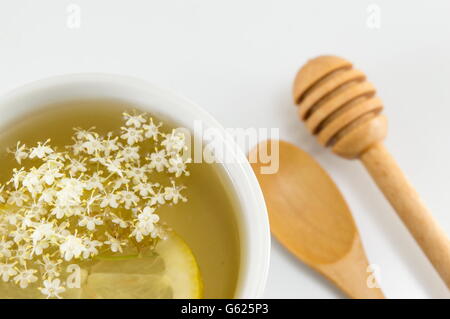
(253, 224)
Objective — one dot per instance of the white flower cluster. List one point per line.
(94, 197)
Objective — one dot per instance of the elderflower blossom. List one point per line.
(134, 120)
(114, 243)
(26, 277)
(173, 193)
(72, 247)
(152, 130)
(132, 135)
(7, 271)
(52, 288)
(5, 247)
(158, 161)
(95, 197)
(20, 153)
(50, 267)
(111, 200)
(41, 150)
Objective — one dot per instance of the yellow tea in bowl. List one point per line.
(113, 211)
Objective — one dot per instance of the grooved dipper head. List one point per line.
(339, 105)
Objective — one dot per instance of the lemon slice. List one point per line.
(171, 272)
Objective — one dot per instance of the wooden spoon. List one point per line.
(341, 108)
(309, 216)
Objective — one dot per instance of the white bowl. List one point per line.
(252, 221)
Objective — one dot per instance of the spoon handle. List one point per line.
(352, 274)
(409, 207)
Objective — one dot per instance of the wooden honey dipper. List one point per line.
(341, 108)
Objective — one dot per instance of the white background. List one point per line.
(237, 59)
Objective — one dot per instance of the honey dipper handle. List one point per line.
(410, 208)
